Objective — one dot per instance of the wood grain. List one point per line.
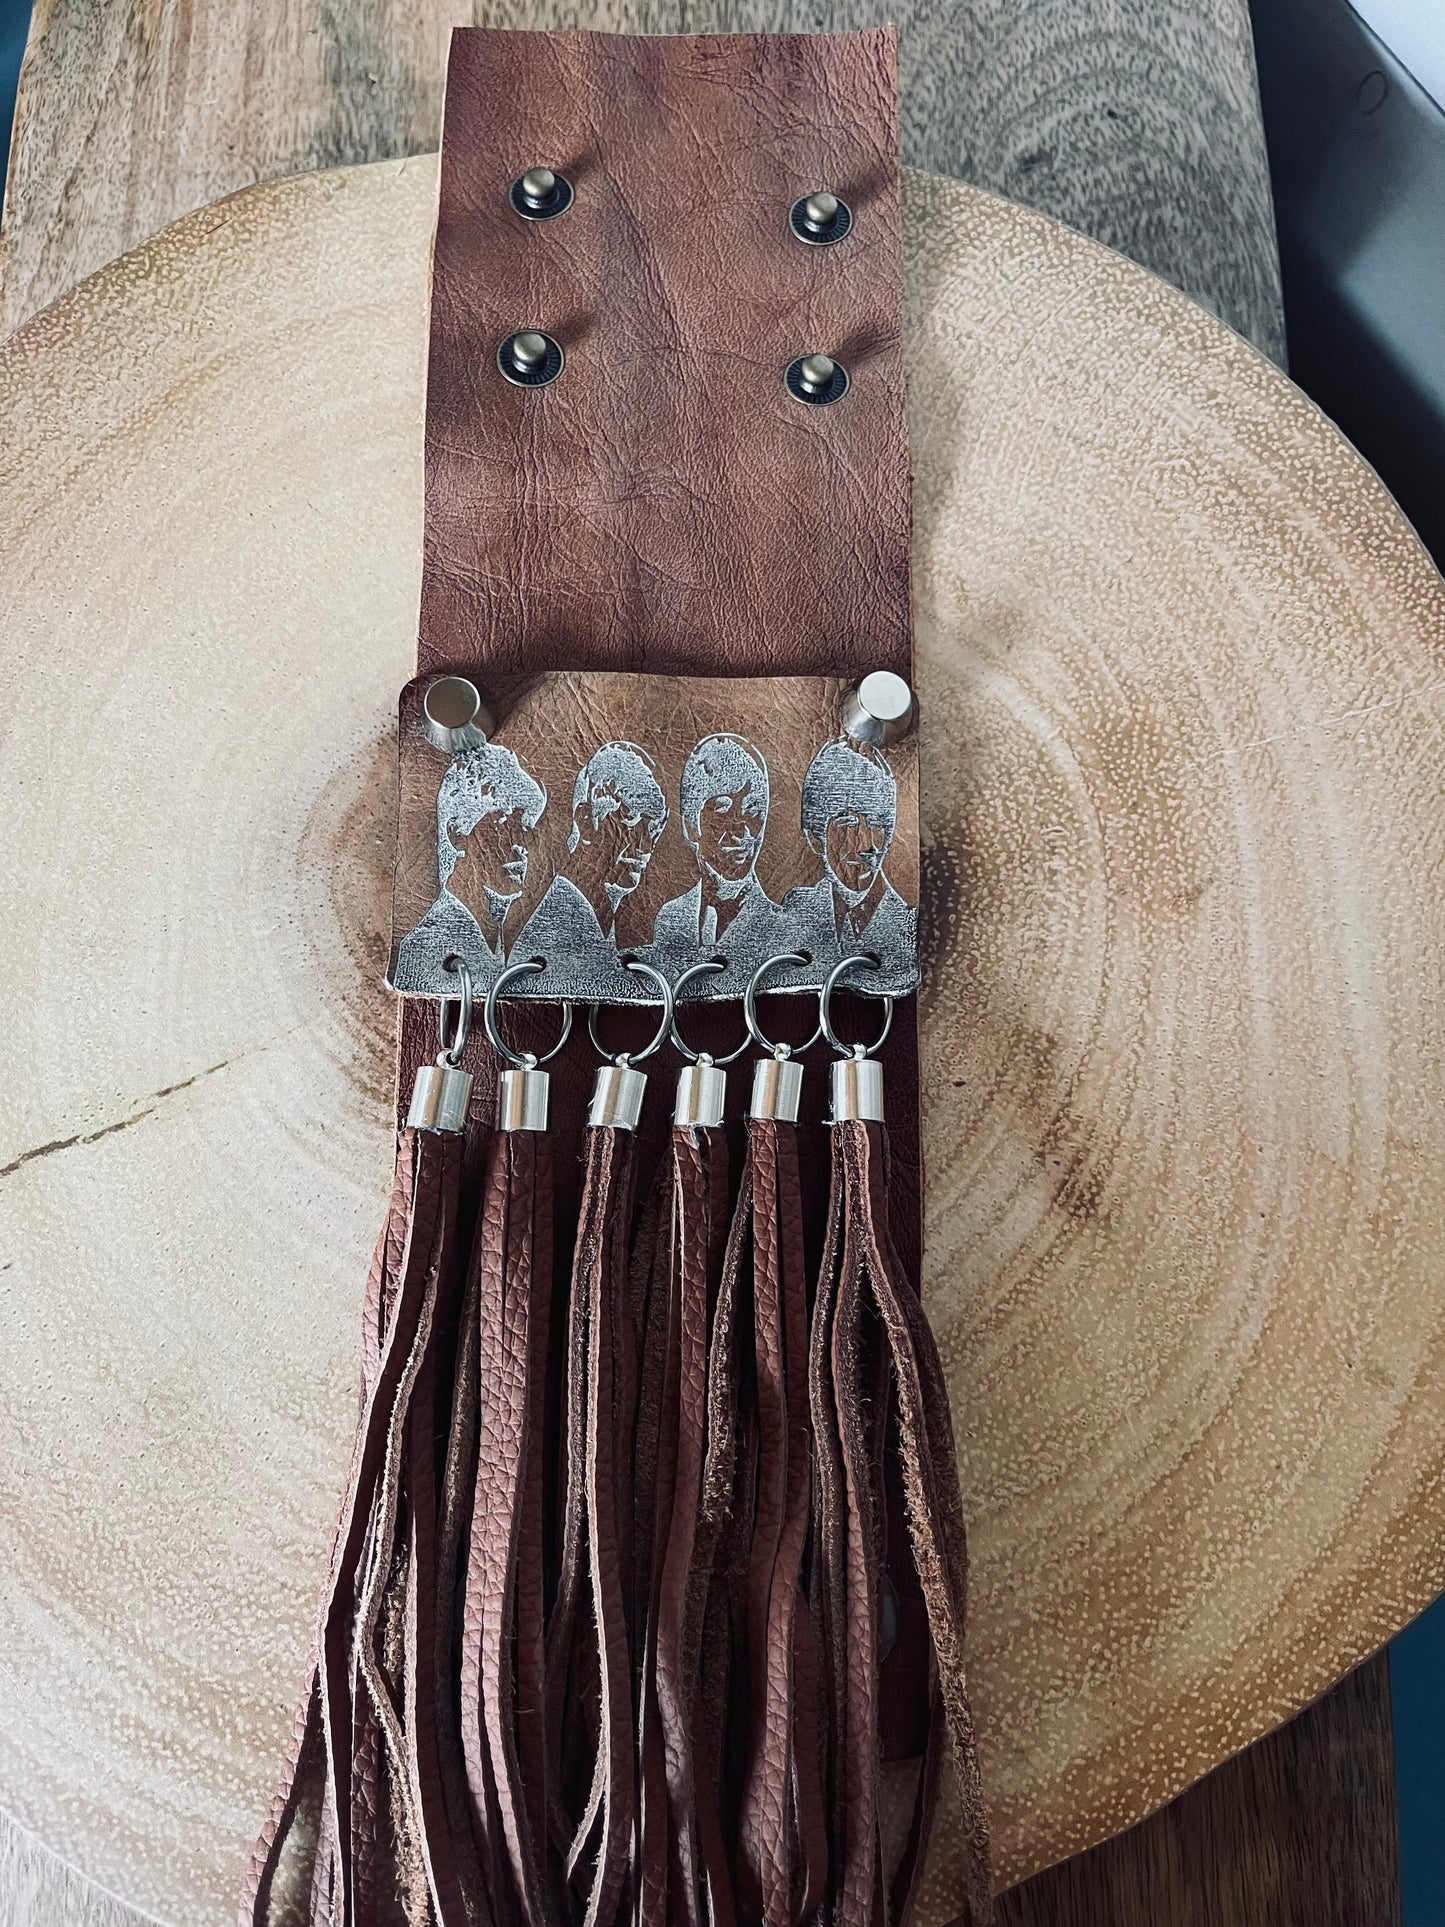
(1182, 1086)
(1137, 121)
(1297, 1831)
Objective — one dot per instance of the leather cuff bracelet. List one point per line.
(647, 1598)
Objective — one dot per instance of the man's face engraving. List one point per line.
(854, 846)
(730, 833)
(625, 838)
(493, 860)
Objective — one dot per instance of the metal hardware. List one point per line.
(523, 1090)
(529, 358)
(855, 1083)
(855, 1088)
(879, 711)
(616, 1100)
(523, 1099)
(777, 1087)
(816, 380)
(450, 1051)
(859, 959)
(707, 967)
(618, 1090)
(453, 716)
(660, 1035)
(750, 1005)
(540, 193)
(820, 218)
(440, 1096)
(702, 1088)
(520, 1060)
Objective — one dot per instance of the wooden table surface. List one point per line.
(1135, 120)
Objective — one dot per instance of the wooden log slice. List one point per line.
(1182, 666)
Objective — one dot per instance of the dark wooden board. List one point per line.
(1296, 1831)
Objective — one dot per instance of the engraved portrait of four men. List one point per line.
(489, 804)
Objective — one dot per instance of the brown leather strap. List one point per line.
(589, 1640)
(503, 1727)
(880, 1409)
(673, 1885)
(782, 1829)
(410, 1273)
(665, 504)
(935, 1514)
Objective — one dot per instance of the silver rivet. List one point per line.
(540, 193)
(529, 358)
(816, 379)
(820, 218)
(879, 710)
(454, 716)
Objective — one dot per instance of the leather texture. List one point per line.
(684, 1275)
(364, 1756)
(673, 1702)
(782, 1849)
(665, 506)
(880, 1413)
(660, 505)
(502, 1693)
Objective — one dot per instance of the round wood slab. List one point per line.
(1183, 669)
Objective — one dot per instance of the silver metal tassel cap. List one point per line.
(777, 1089)
(617, 1095)
(857, 1090)
(702, 1090)
(522, 1099)
(439, 1098)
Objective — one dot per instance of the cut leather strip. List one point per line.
(597, 1810)
(541, 550)
(930, 1473)
(872, 1346)
(673, 1885)
(412, 1259)
(502, 1640)
(782, 1829)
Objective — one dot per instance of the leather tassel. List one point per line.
(502, 1686)
(872, 1355)
(782, 1830)
(358, 1722)
(691, 1234)
(364, 1765)
(590, 1724)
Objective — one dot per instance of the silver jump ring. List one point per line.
(627, 1057)
(451, 1052)
(527, 1060)
(825, 1021)
(708, 964)
(750, 1006)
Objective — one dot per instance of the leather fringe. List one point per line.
(874, 1363)
(689, 1238)
(503, 1729)
(782, 1847)
(363, 1765)
(590, 1725)
(690, 1733)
